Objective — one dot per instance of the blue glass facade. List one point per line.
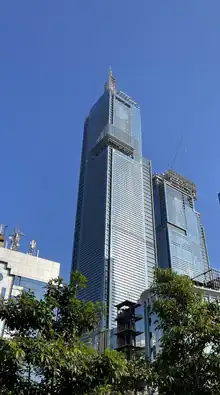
(180, 236)
(28, 284)
(114, 242)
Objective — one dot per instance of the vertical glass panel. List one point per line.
(175, 207)
(162, 248)
(127, 232)
(92, 233)
(194, 240)
(112, 339)
(140, 327)
(185, 249)
(136, 127)
(98, 119)
(157, 211)
(192, 225)
(180, 252)
(122, 116)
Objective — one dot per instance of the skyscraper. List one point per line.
(181, 241)
(114, 241)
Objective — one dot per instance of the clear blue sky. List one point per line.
(54, 57)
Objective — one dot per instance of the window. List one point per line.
(38, 287)
(17, 280)
(1, 276)
(175, 207)
(122, 117)
(3, 292)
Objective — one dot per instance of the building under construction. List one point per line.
(180, 235)
(178, 181)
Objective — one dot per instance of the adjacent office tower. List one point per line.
(114, 242)
(180, 236)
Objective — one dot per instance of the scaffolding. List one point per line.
(178, 181)
(209, 279)
(126, 331)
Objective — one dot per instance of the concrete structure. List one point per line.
(181, 243)
(114, 242)
(20, 271)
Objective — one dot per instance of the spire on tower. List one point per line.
(110, 84)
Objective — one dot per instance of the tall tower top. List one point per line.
(110, 83)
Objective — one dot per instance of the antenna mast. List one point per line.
(2, 234)
(14, 239)
(32, 247)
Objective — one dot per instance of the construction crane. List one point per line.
(176, 153)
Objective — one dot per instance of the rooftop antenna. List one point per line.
(3, 229)
(2, 234)
(32, 247)
(15, 238)
(176, 153)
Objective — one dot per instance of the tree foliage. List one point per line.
(189, 359)
(44, 354)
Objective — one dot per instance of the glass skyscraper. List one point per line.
(181, 243)
(114, 241)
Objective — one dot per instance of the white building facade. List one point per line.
(19, 271)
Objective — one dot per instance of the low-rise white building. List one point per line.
(19, 271)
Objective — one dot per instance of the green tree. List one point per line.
(189, 360)
(44, 354)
